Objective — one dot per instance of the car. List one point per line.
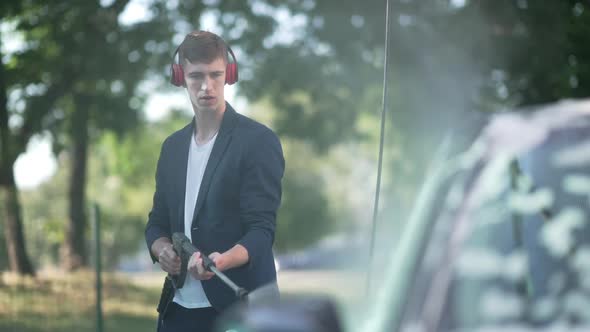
(498, 240)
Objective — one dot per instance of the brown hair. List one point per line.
(202, 46)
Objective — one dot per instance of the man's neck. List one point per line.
(207, 124)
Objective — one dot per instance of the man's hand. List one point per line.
(222, 261)
(196, 268)
(169, 261)
(236, 256)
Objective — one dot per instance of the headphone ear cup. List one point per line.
(231, 73)
(176, 75)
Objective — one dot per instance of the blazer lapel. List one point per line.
(219, 147)
(180, 165)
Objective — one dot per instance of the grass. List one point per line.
(60, 302)
(66, 302)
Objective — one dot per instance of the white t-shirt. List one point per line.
(192, 295)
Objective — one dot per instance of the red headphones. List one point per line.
(231, 69)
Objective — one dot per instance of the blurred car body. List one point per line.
(510, 250)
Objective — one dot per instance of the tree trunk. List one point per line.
(74, 253)
(13, 230)
(10, 210)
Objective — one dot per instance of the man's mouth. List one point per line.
(207, 98)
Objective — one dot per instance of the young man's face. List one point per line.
(205, 84)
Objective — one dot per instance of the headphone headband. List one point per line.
(177, 74)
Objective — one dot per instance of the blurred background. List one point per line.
(85, 104)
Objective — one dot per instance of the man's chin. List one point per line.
(206, 108)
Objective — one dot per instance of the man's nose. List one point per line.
(206, 84)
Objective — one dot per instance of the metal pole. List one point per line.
(97, 258)
(381, 143)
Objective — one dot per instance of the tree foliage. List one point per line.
(317, 66)
(92, 64)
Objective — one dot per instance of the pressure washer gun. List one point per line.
(185, 249)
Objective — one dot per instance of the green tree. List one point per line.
(451, 63)
(120, 180)
(535, 52)
(95, 63)
(13, 142)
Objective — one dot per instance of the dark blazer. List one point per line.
(237, 202)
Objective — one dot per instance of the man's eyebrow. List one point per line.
(204, 72)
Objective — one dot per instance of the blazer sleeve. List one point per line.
(260, 194)
(158, 224)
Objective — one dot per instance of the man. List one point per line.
(218, 180)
